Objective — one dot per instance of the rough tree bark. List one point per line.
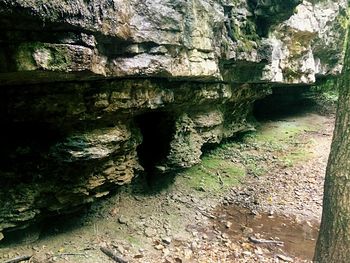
(333, 244)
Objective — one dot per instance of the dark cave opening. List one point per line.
(284, 101)
(157, 129)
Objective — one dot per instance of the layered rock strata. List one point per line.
(94, 91)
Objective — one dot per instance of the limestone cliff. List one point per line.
(93, 92)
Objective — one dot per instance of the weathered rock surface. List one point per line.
(94, 91)
(194, 40)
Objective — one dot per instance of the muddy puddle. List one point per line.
(298, 239)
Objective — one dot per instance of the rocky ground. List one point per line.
(253, 199)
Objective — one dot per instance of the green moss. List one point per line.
(290, 74)
(281, 138)
(245, 35)
(343, 18)
(283, 132)
(226, 165)
(37, 55)
(134, 241)
(214, 175)
(295, 157)
(59, 59)
(250, 31)
(245, 31)
(236, 32)
(24, 57)
(224, 46)
(256, 169)
(245, 45)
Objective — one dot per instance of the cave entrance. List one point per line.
(157, 129)
(284, 101)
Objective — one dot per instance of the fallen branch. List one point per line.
(110, 253)
(265, 241)
(69, 254)
(285, 258)
(206, 214)
(18, 259)
(220, 179)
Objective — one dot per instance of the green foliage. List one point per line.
(245, 35)
(327, 91)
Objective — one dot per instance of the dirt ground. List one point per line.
(256, 198)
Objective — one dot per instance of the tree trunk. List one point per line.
(333, 244)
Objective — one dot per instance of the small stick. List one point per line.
(18, 259)
(220, 179)
(265, 241)
(69, 254)
(206, 214)
(112, 255)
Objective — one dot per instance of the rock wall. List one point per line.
(92, 92)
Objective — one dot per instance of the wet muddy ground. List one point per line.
(277, 233)
(253, 199)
